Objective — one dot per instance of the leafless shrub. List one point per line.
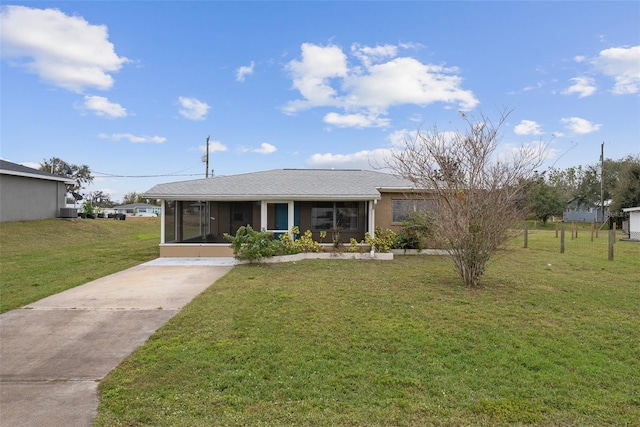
(478, 190)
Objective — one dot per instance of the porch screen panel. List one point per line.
(169, 221)
(347, 215)
(322, 215)
(193, 220)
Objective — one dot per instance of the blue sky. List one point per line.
(133, 89)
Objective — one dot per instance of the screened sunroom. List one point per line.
(196, 215)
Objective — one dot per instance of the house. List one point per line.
(634, 222)
(138, 209)
(197, 214)
(586, 212)
(28, 194)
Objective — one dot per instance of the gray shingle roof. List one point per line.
(298, 184)
(136, 205)
(10, 168)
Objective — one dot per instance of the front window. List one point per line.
(403, 207)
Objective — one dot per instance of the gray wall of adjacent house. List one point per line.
(585, 215)
(24, 199)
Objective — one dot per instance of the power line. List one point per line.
(177, 173)
(104, 174)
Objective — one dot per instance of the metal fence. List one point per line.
(590, 238)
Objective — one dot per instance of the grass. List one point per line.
(41, 258)
(550, 340)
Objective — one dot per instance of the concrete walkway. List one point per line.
(54, 352)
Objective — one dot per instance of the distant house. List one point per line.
(634, 222)
(589, 212)
(138, 209)
(28, 194)
(196, 214)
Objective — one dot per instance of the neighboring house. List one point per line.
(138, 209)
(197, 214)
(634, 222)
(579, 212)
(28, 194)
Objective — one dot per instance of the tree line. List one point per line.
(549, 193)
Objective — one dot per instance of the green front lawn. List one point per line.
(41, 258)
(551, 340)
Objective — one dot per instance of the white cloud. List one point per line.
(311, 76)
(365, 159)
(214, 146)
(66, 51)
(32, 165)
(533, 87)
(102, 107)
(355, 120)
(135, 139)
(324, 78)
(192, 108)
(368, 55)
(580, 125)
(579, 58)
(583, 86)
(265, 148)
(244, 71)
(535, 150)
(623, 64)
(527, 127)
(399, 138)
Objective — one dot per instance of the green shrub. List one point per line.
(304, 243)
(285, 245)
(88, 209)
(252, 245)
(415, 232)
(383, 241)
(353, 245)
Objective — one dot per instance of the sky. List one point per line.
(134, 88)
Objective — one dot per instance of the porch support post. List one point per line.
(290, 217)
(162, 221)
(263, 215)
(372, 217)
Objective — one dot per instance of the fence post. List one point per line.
(557, 226)
(526, 236)
(562, 239)
(612, 238)
(593, 229)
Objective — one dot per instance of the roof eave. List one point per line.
(37, 176)
(259, 197)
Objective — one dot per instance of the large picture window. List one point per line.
(403, 207)
(327, 215)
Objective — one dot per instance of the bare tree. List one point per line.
(479, 191)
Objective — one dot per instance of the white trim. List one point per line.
(290, 217)
(263, 214)
(372, 218)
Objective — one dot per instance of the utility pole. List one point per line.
(207, 166)
(602, 180)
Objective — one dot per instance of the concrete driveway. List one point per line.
(54, 352)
